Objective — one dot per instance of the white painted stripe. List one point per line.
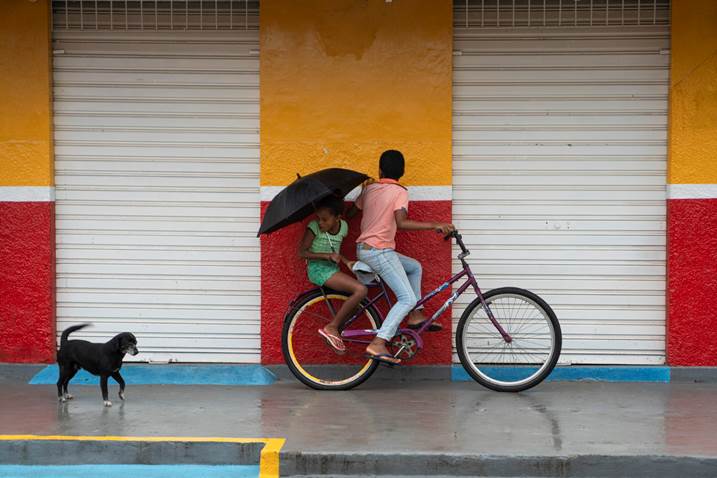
(27, 194)
(415, 193)
(691, 191)
(430, 193)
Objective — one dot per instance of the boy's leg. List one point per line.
(414, 272)
(387, 264)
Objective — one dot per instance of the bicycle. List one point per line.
(508, 339)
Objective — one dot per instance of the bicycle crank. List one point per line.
(403, 346)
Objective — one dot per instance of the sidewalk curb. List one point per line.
(575, 466)
(244, 374)
(146, 450)
(564, 373)
(171, 374)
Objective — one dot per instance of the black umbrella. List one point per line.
(298, 199)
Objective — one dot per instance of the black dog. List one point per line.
(104, 360)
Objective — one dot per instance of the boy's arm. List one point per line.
(358, 204)
(352, 211)
(403, 222)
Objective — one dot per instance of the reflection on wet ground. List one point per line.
(554, 418)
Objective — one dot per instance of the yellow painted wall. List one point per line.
(25, 94)
(693, 93)
(343, 80)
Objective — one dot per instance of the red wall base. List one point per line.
(283, 276)
(692, 282)
(27, 282)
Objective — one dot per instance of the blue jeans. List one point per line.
(402, 275)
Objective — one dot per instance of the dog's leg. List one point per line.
(61, 384)
(118, 378)
(70, 374)
(105, 395)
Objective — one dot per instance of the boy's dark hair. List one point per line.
(333, 203)
(392, 164)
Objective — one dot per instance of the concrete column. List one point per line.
(342, 81)
(692, 188)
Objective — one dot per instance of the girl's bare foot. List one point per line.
(333, 339)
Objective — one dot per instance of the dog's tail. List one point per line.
(69, 330)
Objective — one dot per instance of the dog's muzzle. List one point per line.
(131, 350)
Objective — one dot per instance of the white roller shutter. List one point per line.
(157, 172)
(559, 156)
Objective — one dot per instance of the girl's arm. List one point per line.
(347, 263)
(305, 246)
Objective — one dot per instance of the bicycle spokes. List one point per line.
(516, 359)
(309, 351)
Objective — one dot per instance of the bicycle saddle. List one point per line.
(363, 272)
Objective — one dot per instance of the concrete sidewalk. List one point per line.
(405, 428)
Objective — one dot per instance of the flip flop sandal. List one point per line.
(336, 344)
(434, 327)
(382, 358)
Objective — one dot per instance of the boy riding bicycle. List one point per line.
(385, 209)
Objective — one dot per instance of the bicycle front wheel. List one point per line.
(308, 356)
(520, 362)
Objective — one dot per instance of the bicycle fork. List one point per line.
(472, 281)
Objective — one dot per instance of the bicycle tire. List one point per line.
(291, 356)
(507, 385)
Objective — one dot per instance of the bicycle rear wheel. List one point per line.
(514, 365)
(308, 356)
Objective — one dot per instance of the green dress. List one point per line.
(324, 243)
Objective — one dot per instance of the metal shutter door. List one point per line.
(559, 177)
(157, 176)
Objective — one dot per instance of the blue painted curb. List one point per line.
(660, 374)
(123, 471)
(143, 374)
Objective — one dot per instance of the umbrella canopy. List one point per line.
(298, 199)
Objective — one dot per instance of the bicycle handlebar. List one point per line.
(459, 241)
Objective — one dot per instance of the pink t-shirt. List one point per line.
(379, 201)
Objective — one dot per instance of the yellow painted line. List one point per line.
(268, 460)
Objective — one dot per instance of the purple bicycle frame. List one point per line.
(416, 334)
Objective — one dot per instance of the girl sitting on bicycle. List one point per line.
(321, 247)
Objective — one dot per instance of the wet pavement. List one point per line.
(413, 420)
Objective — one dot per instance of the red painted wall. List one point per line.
(692, 282)
(284, 276)
(27, 282)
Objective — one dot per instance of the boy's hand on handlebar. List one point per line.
(444, 228)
